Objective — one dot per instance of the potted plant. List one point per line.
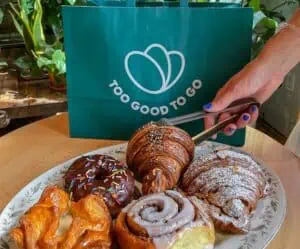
(53, 60)
(40, 24)
(44, 56)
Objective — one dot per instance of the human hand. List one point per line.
(259, 79)
(252, 81)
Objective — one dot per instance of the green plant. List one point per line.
(1, 15)
(53, 60)
(266, 22)
(27, 18)
(3, 63)
(40, 24)
(52, 18)
(43, 55)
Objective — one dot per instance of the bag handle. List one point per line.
(131, 3)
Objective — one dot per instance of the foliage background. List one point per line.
(267, 17)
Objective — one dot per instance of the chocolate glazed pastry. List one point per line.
(158, 155)
(102, 175)
(231, 183)
(165, 220)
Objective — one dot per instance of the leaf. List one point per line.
(255, 4)
(43, 62)
(270, 23)
(59, 59)
(16, 214)
(71, 2)
(16, 23)
(27, 6)
(258, 17)
(24, 62)
(37, 28)
(28, 39)
(3, 64)
(1, 15)
(55, 23)
(36, 188)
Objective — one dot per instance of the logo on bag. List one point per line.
(167, 81)
(169, 66)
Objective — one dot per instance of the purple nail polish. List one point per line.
(246, 117)
(253, 108)
(207, 106)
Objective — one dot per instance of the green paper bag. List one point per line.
(129, 63)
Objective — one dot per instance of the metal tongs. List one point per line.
(236, 108)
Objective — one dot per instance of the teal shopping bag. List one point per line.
(132, 62)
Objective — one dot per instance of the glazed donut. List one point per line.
(102, 175)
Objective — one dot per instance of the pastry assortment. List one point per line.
(158, 154)
(163, 219)
(58, 223)
(184, 199)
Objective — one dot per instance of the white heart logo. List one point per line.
(165, 77)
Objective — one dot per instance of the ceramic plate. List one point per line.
(265, 222)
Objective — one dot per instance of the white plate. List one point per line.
(265, 222)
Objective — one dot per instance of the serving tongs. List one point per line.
(236, 109)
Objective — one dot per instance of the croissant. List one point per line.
(165, 220)
(231, 183)
(158, 154)
(56, 223)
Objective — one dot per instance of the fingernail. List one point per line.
(246, 117)
(253, 108)
(207, 106)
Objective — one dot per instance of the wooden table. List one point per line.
(28, 152)
(24, 99)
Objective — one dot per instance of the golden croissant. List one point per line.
(55, 222)
(158, 154)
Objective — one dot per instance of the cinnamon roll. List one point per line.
(231, 183)
(158, 155)
(165, 220)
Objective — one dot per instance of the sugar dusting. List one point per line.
(230, 182)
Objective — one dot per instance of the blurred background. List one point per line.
(32, 63)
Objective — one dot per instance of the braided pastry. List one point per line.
(56, 223)
(166, 220)
(231, 183)
(158, 155)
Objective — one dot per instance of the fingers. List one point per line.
(230, 129)
(245, 119)
(254, 112)
(244, 84)
(223, 98)
(208, 123)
